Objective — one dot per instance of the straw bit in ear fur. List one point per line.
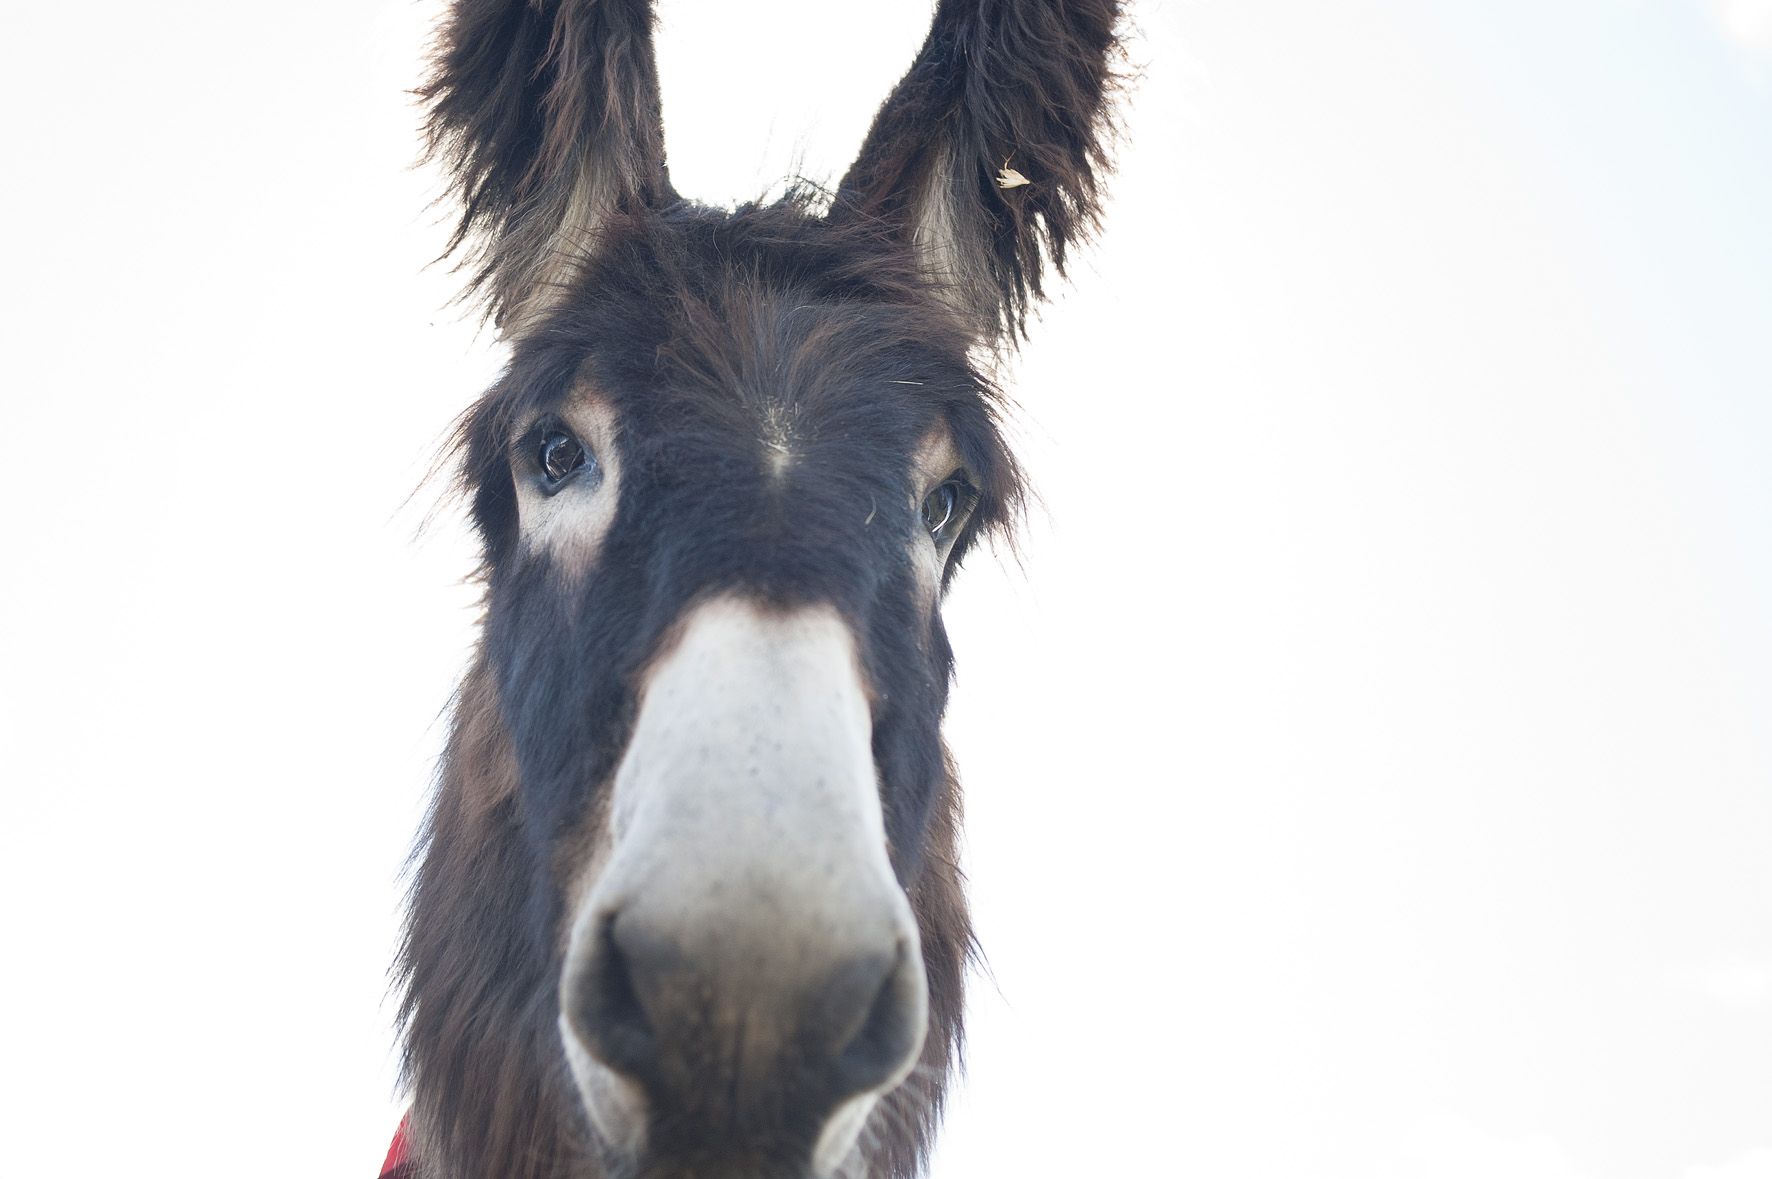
(1008, 177)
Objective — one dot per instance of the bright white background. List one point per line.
(1370, 775)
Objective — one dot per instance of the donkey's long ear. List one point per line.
(546, 113)
(988, 154)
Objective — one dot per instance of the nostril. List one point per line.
(891, 1032)
(606, 1009)
(645, 1008)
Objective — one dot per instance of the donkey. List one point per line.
(686, 905)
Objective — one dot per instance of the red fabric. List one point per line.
(397, 1153)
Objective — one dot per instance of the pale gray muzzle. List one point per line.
(746, 959)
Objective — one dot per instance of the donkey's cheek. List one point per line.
(568, 528)
(926, 569)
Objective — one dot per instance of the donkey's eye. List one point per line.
(559, 454)
(944, 508)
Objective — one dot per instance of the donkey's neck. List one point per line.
(481, 1050)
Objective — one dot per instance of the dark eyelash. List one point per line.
(524, 446)
(970, 495)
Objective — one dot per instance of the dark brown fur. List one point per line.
(998, 84)
(860, 324)
(521, 94)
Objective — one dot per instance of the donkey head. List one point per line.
(687, 903)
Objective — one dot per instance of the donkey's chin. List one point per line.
(640, 1142)
(615, 1104)
(841, 1133)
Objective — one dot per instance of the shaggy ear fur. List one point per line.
(987, 155)
(546, 114)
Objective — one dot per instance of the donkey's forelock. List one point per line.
(735, 458)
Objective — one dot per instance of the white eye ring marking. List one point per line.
(568, 477)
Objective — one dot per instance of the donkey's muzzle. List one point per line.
(744, 975)
(714, 1027)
